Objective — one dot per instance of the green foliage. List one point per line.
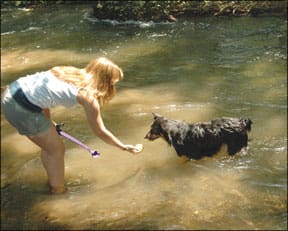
(165, 10)
(168, 10)
(136, 10)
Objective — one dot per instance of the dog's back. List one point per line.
(206, 138)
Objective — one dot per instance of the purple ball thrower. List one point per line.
(76, 141)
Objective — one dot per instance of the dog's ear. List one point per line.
(155, 115)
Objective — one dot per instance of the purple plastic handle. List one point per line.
(73, 139)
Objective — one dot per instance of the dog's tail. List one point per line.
(236, 135)
(235, 125)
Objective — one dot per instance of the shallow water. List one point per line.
(190, 70)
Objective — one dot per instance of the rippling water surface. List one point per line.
(192, 70)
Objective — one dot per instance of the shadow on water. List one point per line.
(191, 70)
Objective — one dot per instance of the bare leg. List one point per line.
(52, 156)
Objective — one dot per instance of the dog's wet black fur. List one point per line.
(201, 139)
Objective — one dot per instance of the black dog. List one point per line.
(201, 139)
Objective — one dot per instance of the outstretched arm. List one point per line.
(92, 110)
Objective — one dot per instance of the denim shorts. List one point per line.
(27, 122)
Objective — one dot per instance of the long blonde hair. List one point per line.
(98, 77)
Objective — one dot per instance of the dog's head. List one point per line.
(156, 129)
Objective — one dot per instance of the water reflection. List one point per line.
(191, 71)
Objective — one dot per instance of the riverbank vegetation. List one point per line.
(165, 10)
(172, 10)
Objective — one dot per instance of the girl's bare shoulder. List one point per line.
(86, 97)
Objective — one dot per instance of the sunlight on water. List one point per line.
(180, 71)
(30, 59)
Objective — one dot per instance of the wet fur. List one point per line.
(201, 139)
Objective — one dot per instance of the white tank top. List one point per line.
(45, 90)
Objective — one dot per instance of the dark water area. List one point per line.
(193, 70)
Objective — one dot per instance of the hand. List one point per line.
(134, 149)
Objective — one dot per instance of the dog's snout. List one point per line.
(147, 135)
(151, 136)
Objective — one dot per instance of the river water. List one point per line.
(193, 70)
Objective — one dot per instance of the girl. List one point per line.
(26, 103)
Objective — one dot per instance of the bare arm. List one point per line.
(94, 118)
